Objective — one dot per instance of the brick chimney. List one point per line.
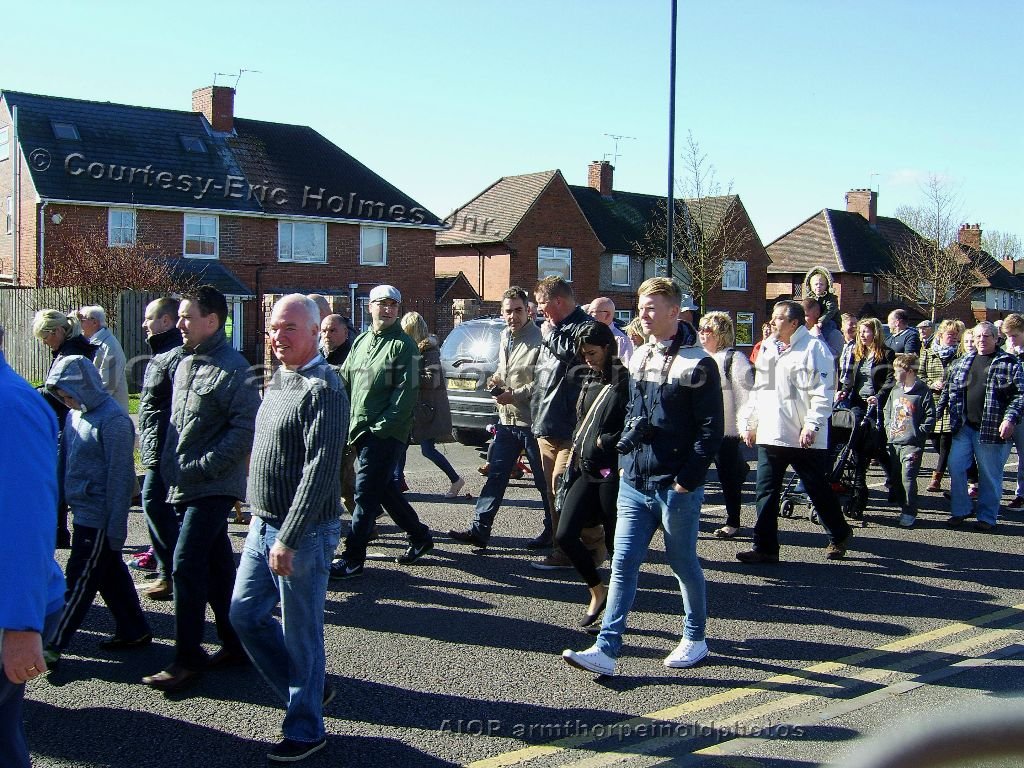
(864, 202)
(599, 177)
(970, 235)
(217, 103)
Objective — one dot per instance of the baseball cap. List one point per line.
(382, 292)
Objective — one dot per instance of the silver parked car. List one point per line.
(469, 357)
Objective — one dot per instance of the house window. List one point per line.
(620, 269)
(300, 241)
(121, 227)
(556, 262)
(5, 143)
(364, 313)
(65, 131)
(1006, 300)
(233, 326)
(734, 276)
(660, 266)
(623, 315)
(744, 329)
(373, 246)
(201, 236)
(869, 285)
(9, 221)
(193, 144)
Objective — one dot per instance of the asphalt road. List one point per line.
(455, 660)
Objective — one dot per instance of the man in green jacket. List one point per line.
(381, 375)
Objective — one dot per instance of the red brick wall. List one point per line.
(756, 257)
(26, 220)
(450, 260)
(555, 220)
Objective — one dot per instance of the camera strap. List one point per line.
(666, 367)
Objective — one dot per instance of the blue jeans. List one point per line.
(639, 516)
(991, 459)
(13, 747)
(288, 653)
(429, 451)
(204, 571)
(161, 521)
(1018, 443)
(503, 456)
(375, 491)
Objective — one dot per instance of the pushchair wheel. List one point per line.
(786, 510)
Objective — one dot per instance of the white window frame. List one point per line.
(364, 313)
(745, 318)
(619, 260)
(237, 329)
(5, 143)
(623, 315)
(286, 242)
(734, 275)
(116, 232)
(201, 237)
(363, 229)
(548, 253)
(869, 285)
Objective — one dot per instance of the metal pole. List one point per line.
(671, 207)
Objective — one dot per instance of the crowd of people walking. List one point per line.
(619, 428)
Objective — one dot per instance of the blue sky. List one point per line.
(793, 101)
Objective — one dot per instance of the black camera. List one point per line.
(636, 431)
(497, 390)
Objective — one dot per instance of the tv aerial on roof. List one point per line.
(617, 137)
(237, 76)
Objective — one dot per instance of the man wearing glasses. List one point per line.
(382, 377)
(985, 397)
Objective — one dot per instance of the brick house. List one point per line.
(525, 227)
(257, 207)
(856, 245)
(999, 290)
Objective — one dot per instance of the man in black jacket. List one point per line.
(559, 377)
(674, 427)
(154, 414)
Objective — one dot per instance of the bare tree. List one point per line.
(707, 231)
(86, 261)
(1004, 246)
(926, 268)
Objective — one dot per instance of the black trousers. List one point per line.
(587, 504)
(811, 465)
(732, 471)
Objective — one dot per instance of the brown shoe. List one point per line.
(174, 678)
(936, 484)
(224, 658)
(837, 549)
(161, 589)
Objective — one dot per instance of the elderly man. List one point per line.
(985, 398)
(787, 418)
(209, 436)
(293, 491)
(381, 375)
(335, 342)
(33, 586)
(556, 389)
(109, 359)
(602, 309)
(902, 337)
(926, 330)
(154, 415)
(514, 378)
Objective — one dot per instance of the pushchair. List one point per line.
(845, 437)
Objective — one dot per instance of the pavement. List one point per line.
(455, 660)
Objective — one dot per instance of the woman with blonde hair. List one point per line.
(867, 384)
(715, 333)
(635, 332)
(432, 419)
(62, 334)
(936, 360)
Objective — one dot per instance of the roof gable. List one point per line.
(840, 241)
(129, 155)
(493, 215)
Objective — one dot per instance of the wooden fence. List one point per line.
(31, 358)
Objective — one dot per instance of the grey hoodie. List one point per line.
(97, 466)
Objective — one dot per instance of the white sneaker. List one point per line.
(456, 488)
(907, 521)
(686, 654)
(591, 660)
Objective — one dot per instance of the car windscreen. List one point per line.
(472, 343)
